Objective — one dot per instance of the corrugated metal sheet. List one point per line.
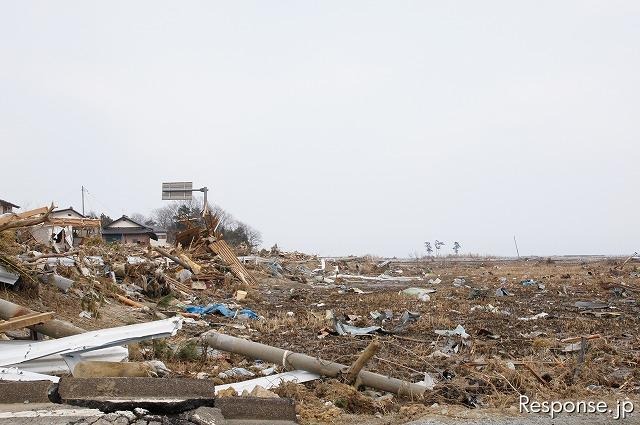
(81, 343)
(56, 365)
(273, 381)
(8, 277)
(221, 248)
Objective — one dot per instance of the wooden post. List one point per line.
(352, 374)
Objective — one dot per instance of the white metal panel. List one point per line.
(15, 374)
(8, 277)
(56, 365)
(272, 381)
(93, 340)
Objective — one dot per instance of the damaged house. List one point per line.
(6, 207)
(76, 219)
(65, 228)
(126, 230)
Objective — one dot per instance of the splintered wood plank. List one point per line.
(10, 217)
(24, 321)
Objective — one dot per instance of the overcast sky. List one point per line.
(336, 127)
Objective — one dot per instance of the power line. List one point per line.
(102, 205)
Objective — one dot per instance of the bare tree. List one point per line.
(138, 218)
(427, 246)
(253, 236)
(456, 247)
(438, 245)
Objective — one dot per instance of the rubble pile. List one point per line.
(128, 273)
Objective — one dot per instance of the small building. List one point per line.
(125, 230)
(6, 207)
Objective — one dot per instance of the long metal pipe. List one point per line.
(292, 361)
(53, 328)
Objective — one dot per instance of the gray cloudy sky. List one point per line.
(336, 127)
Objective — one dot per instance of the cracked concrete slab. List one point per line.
(166, 395)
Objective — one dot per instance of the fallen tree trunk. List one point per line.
(53, 328)
(300, 361)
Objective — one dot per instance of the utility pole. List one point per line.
(82, 200)
(516, 243)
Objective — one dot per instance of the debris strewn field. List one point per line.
(475, 332)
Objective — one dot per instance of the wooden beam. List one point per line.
(172, 258)
(579, 338)
(22, 215)
(24, 321)
(75, 222)
(128, 301)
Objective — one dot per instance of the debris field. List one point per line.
(383, 339)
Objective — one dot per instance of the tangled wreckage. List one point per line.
(195, 331)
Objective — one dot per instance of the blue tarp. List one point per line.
(221, 309)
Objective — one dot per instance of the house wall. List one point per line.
(6, 209)
(45, 234)
(112, 238)
(136, 239)
(42, 233)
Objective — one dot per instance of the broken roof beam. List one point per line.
(36, 258)
(74, 222)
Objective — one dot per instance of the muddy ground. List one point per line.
(503, 356)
